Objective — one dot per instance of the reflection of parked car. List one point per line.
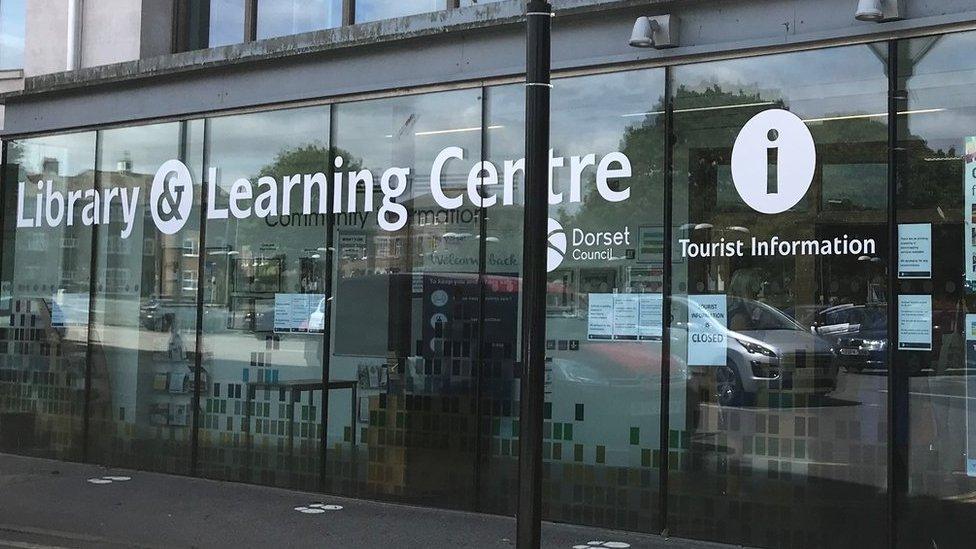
(151, 316)
(859, 334)
(766, 350)
(259, 322)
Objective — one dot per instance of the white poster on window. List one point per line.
(651, 315)
(624, 317)
(969, 213)
(626, 311)
(299, 313)
(915, 323)
(599, 324)
(707, 329)
(69, 310)
(970, 395)
(915, 250)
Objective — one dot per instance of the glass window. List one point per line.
(263, 293)
(936, 173)
(44, 295)
(225, 22)
(476, 2)
(603, 325)
(374, 10)
(12, 34)
(143, 331)
(778, 403)
(408, 302)
(284, 17)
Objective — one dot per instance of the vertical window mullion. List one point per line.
(250, 20)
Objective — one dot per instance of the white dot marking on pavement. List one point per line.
(327, 507)
(108, 480)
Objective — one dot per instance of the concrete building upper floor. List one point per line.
(52, 47)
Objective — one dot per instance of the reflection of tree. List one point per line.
(707, 122)
(15, 152)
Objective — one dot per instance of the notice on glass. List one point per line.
(599, 324)
(626, 310)
(969, 213)
(970, 395)
(915, 250)
(915, 322)
(624, 317)
(298, 313)
(69, 310)
(707, 328)
(651, 317)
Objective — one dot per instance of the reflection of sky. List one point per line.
(373, 10)
(590, 114)
(244, 144)
(944, 78)
(145, 147)
(11, 34)
(284, 17)
(812, 84)
(73, 152)
(409, 131)
(226, 22)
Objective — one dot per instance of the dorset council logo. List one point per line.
(171, 197)
(773, 161)
(557, 245)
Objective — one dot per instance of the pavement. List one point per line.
(53, 504)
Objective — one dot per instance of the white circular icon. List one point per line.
(438, 298)
(171, 197)
(557, 245)
(773, 161)
(438, 318)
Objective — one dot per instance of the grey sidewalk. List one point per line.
(47, 503)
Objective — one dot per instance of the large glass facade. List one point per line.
(142, 331)
(45, 298)
(936, 168)
(758, 326)
(761, 420)
(262, 406)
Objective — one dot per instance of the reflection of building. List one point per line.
(329, 353)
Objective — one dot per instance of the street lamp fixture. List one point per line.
(878, 11)
(659, 31)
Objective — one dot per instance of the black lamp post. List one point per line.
(532, 397)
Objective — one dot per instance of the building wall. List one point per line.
(111, 31)
(46, 41)
(442, 48)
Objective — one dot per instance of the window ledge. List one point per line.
(509, 12)
(11, 74)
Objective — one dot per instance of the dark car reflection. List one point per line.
(860, 337)
(858, 332)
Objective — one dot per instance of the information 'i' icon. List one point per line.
(772, 162)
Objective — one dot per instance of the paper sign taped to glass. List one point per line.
(707, 329)
(969, 213)
(970, 395)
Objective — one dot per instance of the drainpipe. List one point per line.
(75, 8)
